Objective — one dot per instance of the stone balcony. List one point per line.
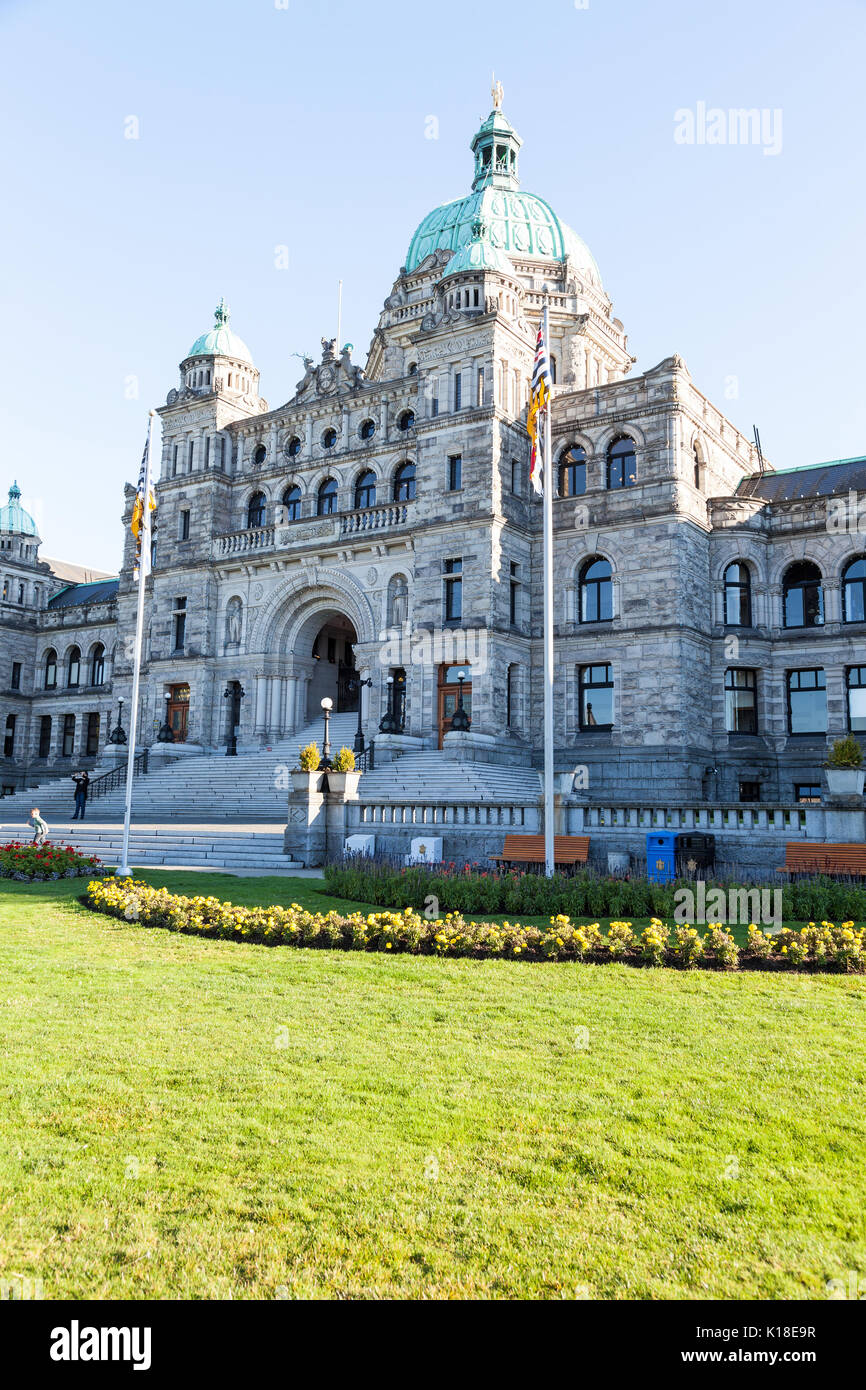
(285, 535)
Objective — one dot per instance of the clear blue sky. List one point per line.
(305, 126)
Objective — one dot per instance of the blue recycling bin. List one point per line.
(661, 856)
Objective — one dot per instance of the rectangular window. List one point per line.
(455, 472)
(453, 570)
(517, 478)
(434, 406)
(179, 623)
(807, 702)
(45, 735)
(741, 701)
(458, 390)
(174, 462)
(68, 746)
(183, 528)
(857, 699)
(595, 692)
(16, 675)
(750, 791)
(480, 397)
(808, 791)
(92, 745)
(20, 593)
(207, 444)
(514, 595)
(190, 456)
(9, 740)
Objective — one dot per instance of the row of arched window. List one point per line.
(620, 467)
(402, 489)
(72, 668)
(802, 594)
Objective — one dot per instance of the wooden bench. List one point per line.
(529, 849)
(800, 858)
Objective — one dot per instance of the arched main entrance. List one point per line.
(333, 652)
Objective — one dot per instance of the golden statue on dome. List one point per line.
(497, 92)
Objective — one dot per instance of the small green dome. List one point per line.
(480, 254)
(221, 341)
(14, 518)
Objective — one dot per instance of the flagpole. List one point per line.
(547, 500)
(143, 568)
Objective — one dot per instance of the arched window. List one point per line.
(256, 510)
(854, 591)
(73, 667)
(621, 463)
(326, 502)
(572, 472)
(329, 438)
(291, 500)
(365, 489)
(260, 455)
(51, 669)
(803, 596)
(293, 448)
(97, 665)
(406, 420)
(367, 429)
(595, 591)
(699, 471)
(738, 595)
(404, 482)
(398, 600)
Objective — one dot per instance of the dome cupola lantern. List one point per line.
(496, 147)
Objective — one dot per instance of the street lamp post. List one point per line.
(388, 722)
(358, 746)
(166, 734)
(234, 692)
(327, 706)
(460, 719)
(117, 735)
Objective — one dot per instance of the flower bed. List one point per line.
(29, 862)
(469, 888)
(824, 947)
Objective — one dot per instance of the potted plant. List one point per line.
(343, 777)
(305, 777)
(845, 774)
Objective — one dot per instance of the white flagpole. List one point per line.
(339, 317)
(547, 498)
(143, 568)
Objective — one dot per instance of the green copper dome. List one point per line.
(221, 341)
(516, 223)
(14, 518)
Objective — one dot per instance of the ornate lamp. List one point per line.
(460, 720)
(357, 684)
(117, 735)
(388, 722)
(166, 733)
(235, 692)
(327, 706)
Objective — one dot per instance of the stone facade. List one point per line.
(298, 543)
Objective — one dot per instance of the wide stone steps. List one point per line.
(251, 848)
(251, 786)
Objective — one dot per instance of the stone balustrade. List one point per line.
(373, 518)
(243, 542)
(788, 822)
(385, 815)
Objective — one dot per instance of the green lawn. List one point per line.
(193, 1118)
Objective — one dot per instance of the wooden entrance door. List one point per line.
(178, 712)
(449, 690)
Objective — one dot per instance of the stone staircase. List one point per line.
(433, 776)
(209, 788)
(251, 848)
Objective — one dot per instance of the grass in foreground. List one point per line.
(192, 1118)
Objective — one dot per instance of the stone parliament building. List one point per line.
(375, 538)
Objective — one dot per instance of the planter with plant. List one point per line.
(845, 773)
(343, 778)
(306, 776)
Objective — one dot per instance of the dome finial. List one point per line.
(497, 92)
(14, 491)
(222, 314)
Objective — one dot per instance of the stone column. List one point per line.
(275, 719)
(261, 716)
(290, 722)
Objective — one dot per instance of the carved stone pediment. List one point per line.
(332, 375)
